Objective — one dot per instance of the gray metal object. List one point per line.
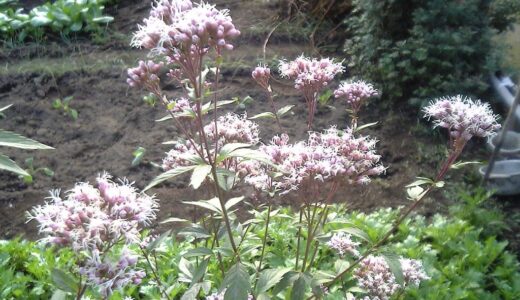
(504, 178)
(510, 147)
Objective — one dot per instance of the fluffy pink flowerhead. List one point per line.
(374, 275)
(355, 93)
(233, 128)
(310, 74)
(92, 216)
(463, 117)
(342, 242)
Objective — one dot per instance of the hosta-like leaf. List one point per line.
(167, 175)
(298, 289)
(237, 283)
(11, 139)
(9, 165)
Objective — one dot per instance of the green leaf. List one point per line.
(233, 201)
(11, 139)
(461, 164)
(237, 283)
(420, 181)
(225, 151)
(74, 114)
(64, 281)
(9, 165)
(5, 108)
(167, 175)
(59, 295)
(365, 126)
(195, 231)
(282, 111)
(395, 266)
(298, 289)
(201, 251)
(356, 232)
(173, 220)
(192, 292)
(158, 241)
(138, 156)
(164, 118)
(269, 278)
(48, 172)
(212, 204)
(200, 271)
(264, 115)
(199, 175)
(40, 20)
(103, 19)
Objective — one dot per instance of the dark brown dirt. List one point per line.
(113, 121)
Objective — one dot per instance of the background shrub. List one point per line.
(422, 49)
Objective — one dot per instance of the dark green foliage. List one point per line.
(421, 49)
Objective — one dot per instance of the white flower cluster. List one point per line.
(333, 154)
(342, 242)
(355, 93)
(181, 25)
(463, 117)
(91, 218)
(310, 74)
(374, 275)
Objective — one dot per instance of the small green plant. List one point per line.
(32, 171)
(150, 99)
(64, 105)
(138, 156)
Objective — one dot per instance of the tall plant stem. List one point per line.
(298, 240)
(310, 223)
(264, 242)
(273, 108)
(154, 273)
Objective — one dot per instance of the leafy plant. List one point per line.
(64, 105)
(62, 16)
(32, 171)
(138, 156)
(11, 139)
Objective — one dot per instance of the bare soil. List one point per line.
(113, 119)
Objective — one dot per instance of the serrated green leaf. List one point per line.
(168, 175)
(64, 281)
(298, 289)
(395, 266)
(236, 282)
(269, 278)
(11, 139)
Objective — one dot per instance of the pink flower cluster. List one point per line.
(261, 75)
(463, 117)
(374, 275)
(108, 275)
(146, 74)
(328, 156)
(355, 93)
(310, 77)
(94, 218)
(181, 25)
(342, 242)
(231, 128)
(310, 74)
